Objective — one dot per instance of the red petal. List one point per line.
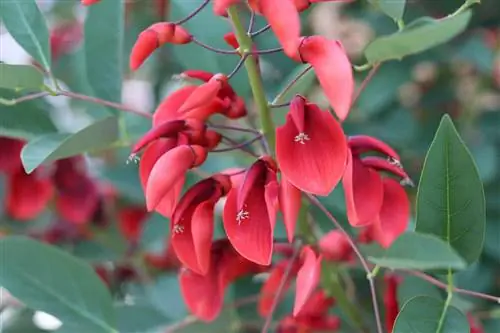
(203, 94)
(148, 41)
(391, 301)
(290, 201)
(163, 130)
(317, 163)
(202, 294)
(333, 69)
(284, 19)
(166, 172)
(335, 246)
(10, 154)
(363, 192)
(169, 107)
(252, 237)
(270, 287)
(27, 195)
(79, 204)
(307, 278)
(221, 6)
(394, 216)
(317, 305)
(360, 144)
(382, 164)
(130, 221)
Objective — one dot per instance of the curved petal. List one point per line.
(308, 278)
(360, 144)
(130, 221)
(203, 94)
(313, 160)
(221, 6)
(284, 19)
(166, 172)
(202, 294)
(290, 201)
(333, 69)
(394, 216)
(79, 204)
(249, 230)
(335, 246)
(165, 129)
(10, 154)
(167, 204)
(148, 41)
(364, 192)
(169, 107)
(390, 301)
(270, 287)
(317, 305)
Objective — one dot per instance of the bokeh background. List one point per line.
(402, 105)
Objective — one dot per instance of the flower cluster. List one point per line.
(313, 155)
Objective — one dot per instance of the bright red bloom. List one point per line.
(193, 222)
(204, 93)
(169, 170)
(204, 294)
(335, 246)
(333, 69)
(10, 154)
(64, 39)
(28, 195)
(221, 6)
(475, 325)
(391, 300)
(307, 270)
(311, 148)
(250, 212)
(304, 4)
(284, 19)
(290, 202)
(89, 2)
(130, 222)
(155, 36)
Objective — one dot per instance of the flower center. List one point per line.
(302, 137)
(178, 229)
(242, 215)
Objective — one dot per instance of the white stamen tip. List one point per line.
(242, 215)
(301, 138)
(395, 162)
(178, 229)
(133, 158)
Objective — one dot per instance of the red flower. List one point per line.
(391, 300)
(335, 246)
(284, 19)
(130, 222)
(28, 195)
(311, 148)
(304, 4)
(475, 325)
(64, 39)
(333, 69)
(89, 2)
(250, 212)
(169, 170)
(307, 271)
(10, 154)
(155, 36)
(221, 6)
(204, 93)
(193, 222)
(204, 294)
(290, 202)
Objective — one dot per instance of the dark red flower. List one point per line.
(10, 154)
(250, 212)
(311, 148)
(64, 39)
(193, 222)
(204, 93)
(130, 222)
(391, 300)
(335, 246)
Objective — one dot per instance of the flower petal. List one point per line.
(163, 130)
(10, 154)
(271, 285)
(249, 230)
(394, 216)
(313, 160)
(308, 278)
(333, 69)
(221, 6)
(203, 94)
(364, 193)
(290, 201)
(335, 246)
(360, 144)
(169, 107)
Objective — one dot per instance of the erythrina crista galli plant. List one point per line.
(255, 227)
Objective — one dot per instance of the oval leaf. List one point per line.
(421, 35)
(392, 8)
(450, 198)
(50, 280)
(26, 24)
(103, 44)
(51, 147)
(425, 314)
(420, 252)
(18, 77)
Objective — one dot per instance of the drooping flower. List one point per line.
(284, 20)
(221, 6)
(391, 300)
(204, 93)
(311, 148)
(307, 272)
(335, 246)
(304, 4)
(204, 294)
(290, 201)
(130, 222)
(250, 212)
(89, 2)
(193, 222)
(333, 69)
(155, 36)
(10, 154)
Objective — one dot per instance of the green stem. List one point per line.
(254, 78)
(464, 7)
(447, 303)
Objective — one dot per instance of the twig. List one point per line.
(193, 13)
(26, 98)
(238, 146)
(362, 260)
(444, 286)
(238, 66)
(251, 23)
(244, 148)
(258, 32)
(235, 128)
(213, 49)
(181, 324)
(365, 82)
(269, 51)
(290, 84)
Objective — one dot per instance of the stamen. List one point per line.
(395, 162)
(301, 137)
(242, 215)
(178, 229)
(133, 158)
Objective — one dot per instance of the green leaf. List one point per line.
(48, 279)
(450, 198)
(103, 44)
(26, 24)
(156, 229)
(139, 318)
(420, 252)
(51, 147)
(25, 121)
(17, 77)
(420, 35)
(423, 314)
(392, 8)
(412, 286)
